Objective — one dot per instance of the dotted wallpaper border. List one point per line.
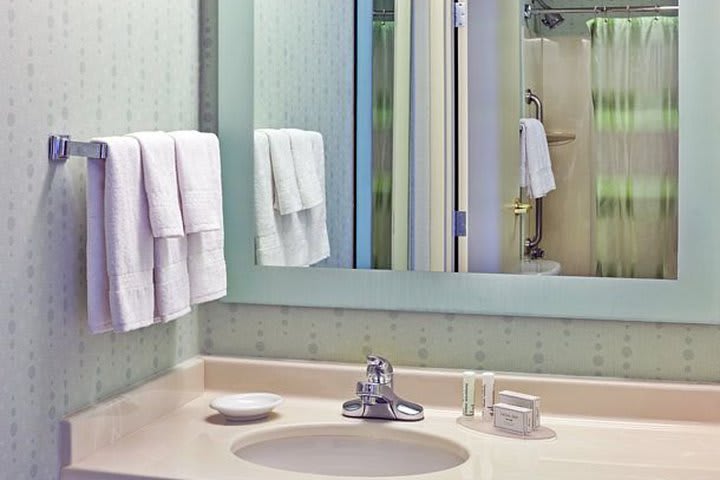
(511, 344)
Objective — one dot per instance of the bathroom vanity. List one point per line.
(606, 429)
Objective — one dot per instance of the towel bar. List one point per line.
(60, 148)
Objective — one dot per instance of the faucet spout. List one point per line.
(377, 398)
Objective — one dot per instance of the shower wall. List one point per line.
(558, 70)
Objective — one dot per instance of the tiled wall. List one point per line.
(87, 68)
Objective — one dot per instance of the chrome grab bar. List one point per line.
(532, 245)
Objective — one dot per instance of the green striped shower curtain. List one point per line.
(382, 148)
(635, 146)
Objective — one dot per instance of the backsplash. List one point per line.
(86, 68)
(510, 344)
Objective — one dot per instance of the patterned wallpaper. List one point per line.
(546, 345)
(83, 67)
(304, 78)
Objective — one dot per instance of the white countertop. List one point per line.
(193, 442)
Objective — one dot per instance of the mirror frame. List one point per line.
(693, 298)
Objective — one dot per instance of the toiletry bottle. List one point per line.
(488, 391)
(468, 394)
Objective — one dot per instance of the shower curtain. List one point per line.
(635, 146)
(382, 148)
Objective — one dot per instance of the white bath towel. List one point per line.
(98, 299)
(311, 193)
(297, 239)
(199, 179)
(535, 166)
(161, 183)
(285, 184)
(205, 247)
(172, 287)
(128, 237)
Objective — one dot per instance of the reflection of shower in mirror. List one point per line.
(423, 165)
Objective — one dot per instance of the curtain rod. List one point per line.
(602, 10)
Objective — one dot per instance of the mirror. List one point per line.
(588, 187)
(690, 297)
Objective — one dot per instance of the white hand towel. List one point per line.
(268, 247)
(199, 179)
(535, 166)
(287, 191)
(172, 285)
(171, 278)
(128, 237)
(311, 193)
(206, 266)
(318, 240)
(161, 184)
(98, 299)
(298, 239)
(200, 153)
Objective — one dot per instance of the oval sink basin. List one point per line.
(350, 451)
(539, 267)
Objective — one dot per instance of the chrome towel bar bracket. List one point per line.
(60, 148)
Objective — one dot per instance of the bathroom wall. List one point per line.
(304, 78)
(559, 346)
(87, 68)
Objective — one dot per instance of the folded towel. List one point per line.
(98, 299)
(199, 179)
(317, 233)
(199, 154)
(161, 183)
(269, 249)
(311, 193)
(171, 278)
(206, 266)
(296, 239)
(128, 237)
(535, 166)
(286, 188)
(172, 287)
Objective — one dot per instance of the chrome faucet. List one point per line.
(376, 397)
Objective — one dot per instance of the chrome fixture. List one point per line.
(599, 10)
(377, 399)
(60, 148)
(550, 18)
(532, 245)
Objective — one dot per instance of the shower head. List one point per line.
(550, 20)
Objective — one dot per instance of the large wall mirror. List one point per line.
(544, 158)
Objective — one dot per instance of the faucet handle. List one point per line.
(379, 370)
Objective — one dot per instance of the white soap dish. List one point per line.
(245, 407)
